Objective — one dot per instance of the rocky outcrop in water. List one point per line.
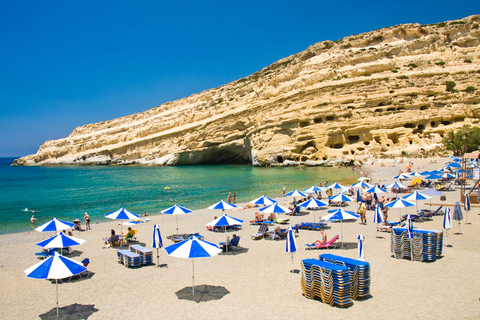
(385, 93)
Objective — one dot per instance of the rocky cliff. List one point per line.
(385, 93)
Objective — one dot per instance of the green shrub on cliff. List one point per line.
(466, 139)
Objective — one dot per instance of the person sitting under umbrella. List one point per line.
(231, 243)
(258, 217)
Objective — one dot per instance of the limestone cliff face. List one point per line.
(381, 93)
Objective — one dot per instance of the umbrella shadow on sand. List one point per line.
(203, 293)
(234, 252)
(72, 312)
(347, 245)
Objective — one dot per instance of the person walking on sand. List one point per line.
(86, 217)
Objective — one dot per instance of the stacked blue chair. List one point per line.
(426, 245)
(400, 245)
(129, 259)
(327, 282)
(145, 254)
(310, 225)
(359, 274)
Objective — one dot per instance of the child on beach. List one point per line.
(362, 208)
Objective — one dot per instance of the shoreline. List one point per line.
(258, 278)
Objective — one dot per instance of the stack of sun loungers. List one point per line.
(310, 225)
(426, 245)
(326, 281)
(359, 274)
(129, 259)
(145, 254)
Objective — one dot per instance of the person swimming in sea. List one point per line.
(33, 219)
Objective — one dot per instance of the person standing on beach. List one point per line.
(283, 188)
(229, 198)
(86, 217)
(234, 199)
(362, 209)
(33, 219)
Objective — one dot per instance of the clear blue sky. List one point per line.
(64, 64)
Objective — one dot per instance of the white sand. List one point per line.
(259, 280)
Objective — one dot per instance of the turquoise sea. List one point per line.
(66, 192)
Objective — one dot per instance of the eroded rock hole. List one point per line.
(318, 120)
(330, 118)
(353, 139)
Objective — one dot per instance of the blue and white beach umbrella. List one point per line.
(176, 210)
(466, 206)
(410, 234)
(340, 198)
(416, 196)
(55, 267)
(225, 221)
(263, 200)
(193, 248)
(61, 240)
(122, 214)
(378, 216)
(291, 246)
(222, 205)
(457, 215)
(433, 177)
(336, 185)
(341, 215)
(157, 242)
(358, 197)
(399, 203)
(414, 174)
(447, 224)
(361, 184)
(376, 189)
(312, 204)
(296, 193)
(313, 189)
(274, 208)
(402, 176)
(396, 185)
(54, 225)
(431, 193)
(361, 247)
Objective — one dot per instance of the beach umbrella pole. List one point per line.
(177, 225)
(193, 277)
(56, 289)
(377, 230)
(157, 258)
(226, 238)
(341, 230)
(446, 238)
(292, 261)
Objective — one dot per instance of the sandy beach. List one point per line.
(258, 277)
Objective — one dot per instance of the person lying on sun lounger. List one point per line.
(271, 217)
(279, 231)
